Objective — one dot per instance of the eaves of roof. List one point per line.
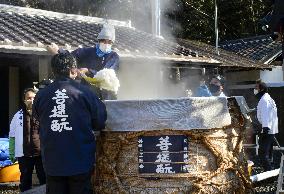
(29, 31)
(226, 58)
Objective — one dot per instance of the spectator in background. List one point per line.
(267, 117)
(24, 143)
(202, 90)
(215, 88)
(68, 114)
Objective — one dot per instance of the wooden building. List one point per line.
(150, 61)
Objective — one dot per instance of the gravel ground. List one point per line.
(268, 186)
(9, 189)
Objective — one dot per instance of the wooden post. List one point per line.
(14, 97)
(43, 67)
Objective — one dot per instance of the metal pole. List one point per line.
(278, 145)
(156, 17)
(216, 28)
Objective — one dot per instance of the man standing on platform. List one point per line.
(93, 59)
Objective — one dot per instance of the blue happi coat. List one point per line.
(68, 112)
(95, 60)
(203, 91)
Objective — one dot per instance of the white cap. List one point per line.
(107, 32)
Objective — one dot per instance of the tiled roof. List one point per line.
(260, 48)
(28, 28)
(226, 58)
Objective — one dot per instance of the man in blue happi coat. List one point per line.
(93, 59)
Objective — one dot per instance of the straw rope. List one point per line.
(223, 168)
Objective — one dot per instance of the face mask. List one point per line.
(214, 88)
(255, 91)
(29, 104)
(106, 48)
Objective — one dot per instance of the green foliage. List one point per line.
(189, 19)
(236, 19)
(99, 8)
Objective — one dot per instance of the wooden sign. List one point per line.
(163, 154)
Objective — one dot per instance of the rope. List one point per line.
(115, 149)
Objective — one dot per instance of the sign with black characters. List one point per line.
(163, 154)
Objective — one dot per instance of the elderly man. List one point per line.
(267, 117)
(93, 59)
(68, 112)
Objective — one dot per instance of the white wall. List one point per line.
(273, 76)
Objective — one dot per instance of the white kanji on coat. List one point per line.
(59, 112)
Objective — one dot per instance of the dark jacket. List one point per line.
(68, 112)
(88, 58)
(34, 137)
(31, 142)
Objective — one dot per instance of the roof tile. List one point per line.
(226, 58)
(22, 26)
(259, 48)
